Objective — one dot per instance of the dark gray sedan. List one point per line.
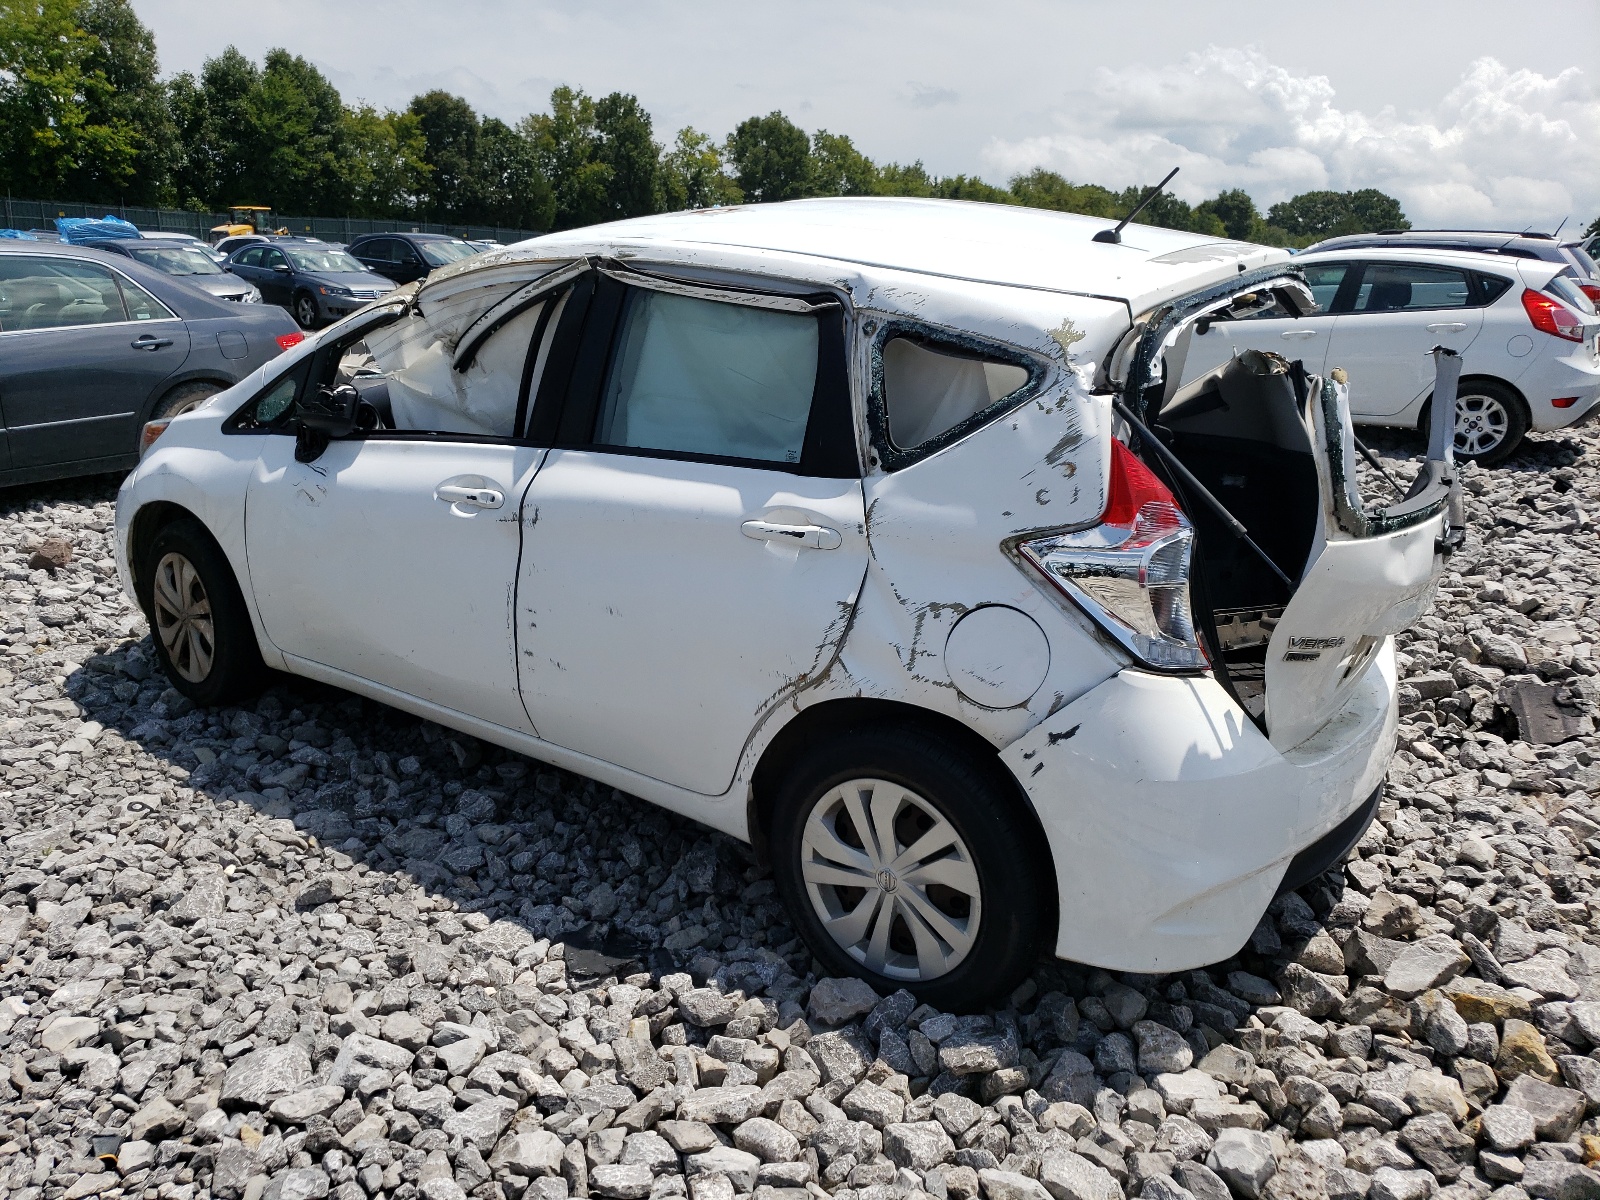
(190, 263)
(94, 345)
(316, 282)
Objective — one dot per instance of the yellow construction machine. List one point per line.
(245, 218)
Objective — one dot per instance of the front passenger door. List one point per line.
(274, 278)
(1400, 312)
(1296, 338)
(695, 542)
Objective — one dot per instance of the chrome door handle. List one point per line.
(1447, 327)
(817, 537)
(148, 341)
(472, 497)
(1298, 333)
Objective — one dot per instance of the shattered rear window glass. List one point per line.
(927, 391)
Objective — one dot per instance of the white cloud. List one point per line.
(1500, 147)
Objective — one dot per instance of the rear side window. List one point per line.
(1492, 287)
(381, 250)
(1403, 287)
(142, 306)
(705, 377)
(929, 390)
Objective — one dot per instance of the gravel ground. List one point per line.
(317, 947)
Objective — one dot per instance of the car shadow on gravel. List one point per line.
(626, 886)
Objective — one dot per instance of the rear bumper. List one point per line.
(1573, 374)
(1173, 822)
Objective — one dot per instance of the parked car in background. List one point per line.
(1525, 327)
(228, 245)
(93, 345)
(182, 261)
(407, 257)
(1542, 246)
(989, 719)
(309, 278)
(186, 239)
(484, 245)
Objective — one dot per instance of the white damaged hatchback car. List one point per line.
(869, 531)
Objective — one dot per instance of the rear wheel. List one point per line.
(1490, 422)
(305, 310)
(198, 621)
(186, 397)
(904, 860)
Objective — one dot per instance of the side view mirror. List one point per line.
(281, 268)
(326, 414)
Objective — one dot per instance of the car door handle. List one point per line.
(817, 537)
(472, 497)
(148, 341)
(1447, 327)
(1298, 333)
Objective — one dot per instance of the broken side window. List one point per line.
(929, 390)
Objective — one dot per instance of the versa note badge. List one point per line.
(1309, 649)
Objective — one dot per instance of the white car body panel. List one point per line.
(612, 617)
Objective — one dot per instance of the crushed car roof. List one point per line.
(989, 243)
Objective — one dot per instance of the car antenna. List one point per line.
(1564, 220)
(1114, 236)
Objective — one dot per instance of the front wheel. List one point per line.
(909, 861)
(305, 310)
(198, 621)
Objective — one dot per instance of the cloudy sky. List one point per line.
(1471, 112)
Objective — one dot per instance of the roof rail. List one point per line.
(1514, 233)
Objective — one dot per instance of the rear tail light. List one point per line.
(286, 340)
(151, 431)
(1551, 316)
(1131, 572)
(1563, 402)
(1591, 290)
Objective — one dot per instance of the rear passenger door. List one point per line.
(83, 352)
(1399, 312)
(695, 542)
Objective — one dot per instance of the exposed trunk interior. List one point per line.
(1241, 431)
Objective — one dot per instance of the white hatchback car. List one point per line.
(1527, 332)
(839, 526)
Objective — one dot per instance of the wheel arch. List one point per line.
(830, 716)
(147, 522)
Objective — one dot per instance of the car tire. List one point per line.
(1491, 422)
(198, 620)
(960, 941)
(305, 310)
(184, 398)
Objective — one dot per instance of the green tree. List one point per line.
(970, 187)
(385, 168)
(771, 158)
(1040, 188)
(123, 55)
(450, 133)
(625, 144)
(217, 144)
(566, 146)
(296, 119)
(1321, 214)
(58, 120)
(1236, 210)
(692, 174)
(838, 168)
(515, 191)
(897, 179)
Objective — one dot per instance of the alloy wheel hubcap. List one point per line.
(183, 618)
(1481, 423)
(891, 880)
(308, 312)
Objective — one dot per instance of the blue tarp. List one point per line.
(16, 233)
(83, 229)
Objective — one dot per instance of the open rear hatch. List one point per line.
(1297, 580)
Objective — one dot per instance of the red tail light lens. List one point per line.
(1563, 402)
(1131, 573)
(1551, 316)
(286, 340)
(1591, 290)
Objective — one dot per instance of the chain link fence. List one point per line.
(41, 214)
